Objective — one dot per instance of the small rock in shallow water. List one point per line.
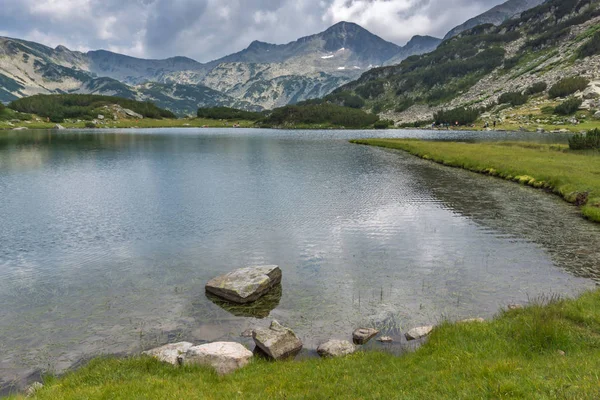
(277, 342)
(515, 307)
(385, 339)
(418, 333)
(224, 357)
(363, 335)
(170, 353)
(336, 348)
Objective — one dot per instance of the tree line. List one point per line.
(58, 107)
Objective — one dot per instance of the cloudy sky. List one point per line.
(209, 29)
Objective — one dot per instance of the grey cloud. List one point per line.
(169, 18)
(209, 29)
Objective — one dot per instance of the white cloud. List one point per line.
(208, 29)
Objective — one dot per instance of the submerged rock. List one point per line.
(418, 333)
(277, 342)
(385, 339)
(260, 308)
(515, 306)
(224, 357)
(245, 285)
(336, 348)
(170, 353)
(363, 335)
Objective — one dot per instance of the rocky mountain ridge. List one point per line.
(476, 67)
(261, 76)
(496, 15)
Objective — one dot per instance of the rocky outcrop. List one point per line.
(336, 348)
(245, 285)
(363, 335)
(171, 353)
(418, 333)
(132, 114)
(224, 357)
(277, 342)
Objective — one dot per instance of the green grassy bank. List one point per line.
(132, 123)
(574, 175)
(545, 351)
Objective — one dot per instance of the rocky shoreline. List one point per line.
(276, 342)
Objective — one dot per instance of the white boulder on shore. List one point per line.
(418, 333)
(172, 353)
(224, 357)
(336, 348)
(245, 285)
(277, 341)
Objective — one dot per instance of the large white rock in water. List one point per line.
(59, 127)
(245, 285)
(170, 353)
(224, 357)
(277, 342)
(418, 333)
(336, 348)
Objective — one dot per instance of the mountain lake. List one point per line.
(107, 239)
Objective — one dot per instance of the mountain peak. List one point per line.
(419, 40)
(345, 25)
(349, 35)
(257, 44)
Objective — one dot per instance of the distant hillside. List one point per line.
(557, 39)
(86, 107)
(135, 71)
(496, 16)
(416, 46)
(261, 76)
